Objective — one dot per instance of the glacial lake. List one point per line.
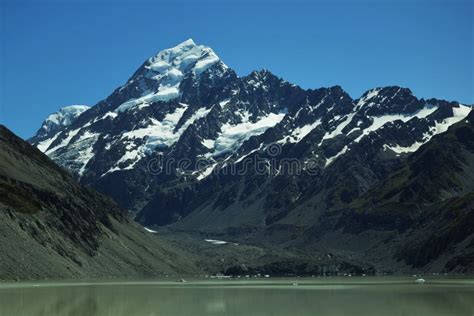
(286, 297)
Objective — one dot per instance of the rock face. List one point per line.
(53, 227)
(185, 141)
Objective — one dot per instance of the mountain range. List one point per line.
(187, 145)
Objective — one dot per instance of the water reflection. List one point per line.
(239, 299)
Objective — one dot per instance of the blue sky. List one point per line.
(54, 54)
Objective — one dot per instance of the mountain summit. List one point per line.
(57, 121)
(161, 75)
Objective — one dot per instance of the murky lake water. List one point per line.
(317, 296)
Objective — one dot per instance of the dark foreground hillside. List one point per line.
(52, 227)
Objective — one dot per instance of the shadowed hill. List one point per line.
(53, 227)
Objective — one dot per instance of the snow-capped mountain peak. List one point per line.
(182, 58)
(66, 115)
(161, 77)
(58, 120)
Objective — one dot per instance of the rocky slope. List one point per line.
(53, 227)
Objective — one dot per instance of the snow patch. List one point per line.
(159, 133)
(248, 154)
(164, 93)
(338, 129)
(331, 159)
(150, 230)
(370, 95)
(64, 142)
(404, 150)
(459, 113)
(216, 242)
(224, 103)
(232, 136)
(208, 143)
(132, 156)
(200, 113)
(85, 146)
(299, 133)
(379, 121)
(206, 172)
(44, 145)
(112, 115)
